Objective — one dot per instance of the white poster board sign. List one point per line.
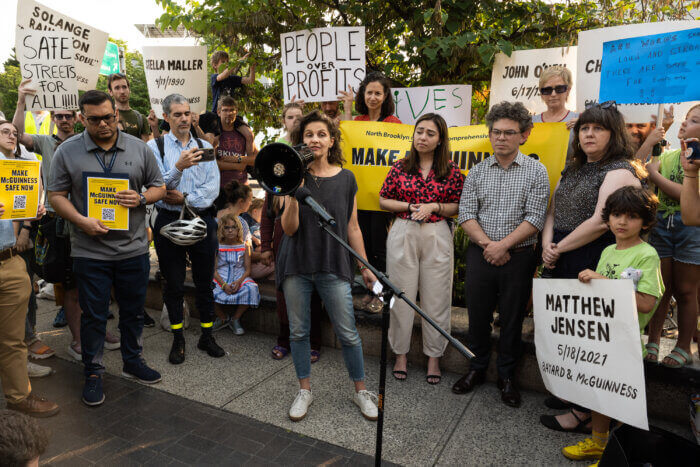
(46, 57)
(588, 346)
(318, 63)
(516, 78)
(176, 70)
(88, 43)
(452, 101)
(590, 55)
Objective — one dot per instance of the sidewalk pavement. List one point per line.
(248, 393)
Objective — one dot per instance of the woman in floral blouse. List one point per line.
(423, 190)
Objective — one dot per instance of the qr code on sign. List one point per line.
(20, 202)
(108, 214)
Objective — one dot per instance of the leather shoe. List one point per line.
(509, 393)
(35, 407)
(466, 383)
(177, 351)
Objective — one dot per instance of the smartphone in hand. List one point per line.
(207, 154)
(695, 146)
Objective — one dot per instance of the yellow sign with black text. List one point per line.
(370, 149)
(19, 188)
(102, 204)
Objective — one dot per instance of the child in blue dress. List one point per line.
(234, 286)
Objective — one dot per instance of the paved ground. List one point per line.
(234, 409)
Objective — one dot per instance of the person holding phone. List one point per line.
(678, 246)
(690, 194)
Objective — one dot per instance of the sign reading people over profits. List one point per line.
(88, 43)
(46, 57)
(516, 78)
(19, 188)
(655, 69)
(588, 346)
(176, 70)
(318, 63)
(370, 149)
(102, 205)
(452, 101)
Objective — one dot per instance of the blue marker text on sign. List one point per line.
(655, 69)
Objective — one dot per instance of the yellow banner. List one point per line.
(102, 205)
(19, 188)
(370, 148)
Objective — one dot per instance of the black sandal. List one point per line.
(398, 373)
(428, 377)
(551, 422)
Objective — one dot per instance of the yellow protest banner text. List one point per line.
(19, 188)
(102, 204)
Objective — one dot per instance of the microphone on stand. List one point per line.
(303, 195)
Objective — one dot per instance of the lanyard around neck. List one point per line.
(107, 169)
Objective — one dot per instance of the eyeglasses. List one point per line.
(230, 227)
(7, 132)
(559, 89)
(104, 118)
(63, 116)
(602, 105)
(507, 133)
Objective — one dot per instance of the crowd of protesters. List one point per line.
(602, 209)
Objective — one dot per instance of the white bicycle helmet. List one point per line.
(183, 231)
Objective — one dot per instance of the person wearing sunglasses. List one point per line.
(555, 84)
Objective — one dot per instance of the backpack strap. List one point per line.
(160, 142)
(139, 120)
(199, 143)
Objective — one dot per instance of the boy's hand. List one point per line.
(587, 274)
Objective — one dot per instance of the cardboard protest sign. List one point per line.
(47, 58)
(655, 69)
(370, 148)
(452, 101)
(19, 188)
(318, 63)
(88, 43)
(176, 69)
(101, 204)
(588, 346)
(516, 78)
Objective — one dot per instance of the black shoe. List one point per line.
(554, 403)
(509, 393)
(209, 345)
(177, 351)
(469, 381)
(147, 320)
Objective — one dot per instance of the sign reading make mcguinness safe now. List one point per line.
(19, 188)
(102, 205)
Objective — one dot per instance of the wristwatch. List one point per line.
(143, 199)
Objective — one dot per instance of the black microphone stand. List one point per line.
(387, 295)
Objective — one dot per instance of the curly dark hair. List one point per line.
(635, 201)
(335, 155)
(235, 191)
(387, 105)
(512, 111)
(21, 439)
(441, 157)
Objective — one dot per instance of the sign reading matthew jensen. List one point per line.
(588, 346)
(318, 63)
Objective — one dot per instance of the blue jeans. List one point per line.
(336, 296)
(95, 278)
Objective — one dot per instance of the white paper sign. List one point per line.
(318, 63)
(590, 54)
(46, 57)
(517, 78)
(452, 101)
(176, 70)
(588, 346)
(88, 43)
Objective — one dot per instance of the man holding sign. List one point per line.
(103, 257)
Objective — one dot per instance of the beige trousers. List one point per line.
(15, 289)
(420, 258)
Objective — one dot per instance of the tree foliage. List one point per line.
(413, 42)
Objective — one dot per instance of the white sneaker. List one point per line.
(301, 405)
(366, 401)
(37, 371)
(112, 342)
(76, 354)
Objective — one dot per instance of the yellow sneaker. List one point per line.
(586, 449)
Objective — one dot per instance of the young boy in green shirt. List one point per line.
(629, 212)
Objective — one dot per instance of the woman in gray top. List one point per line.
(310, 259)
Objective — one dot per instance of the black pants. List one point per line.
(507, 287)
(171, 258)
(375, 227)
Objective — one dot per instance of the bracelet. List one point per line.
(409, 207)
(439, 209)
(363, 267)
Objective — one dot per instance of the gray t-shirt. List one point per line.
(311, 250)
(45, 145)
(77, 155)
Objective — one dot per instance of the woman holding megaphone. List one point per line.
(310, 259)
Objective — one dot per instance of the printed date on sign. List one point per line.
(578, 354)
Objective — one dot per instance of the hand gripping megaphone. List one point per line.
(280, 168)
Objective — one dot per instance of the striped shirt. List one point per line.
(501, 199)
(200, 182)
